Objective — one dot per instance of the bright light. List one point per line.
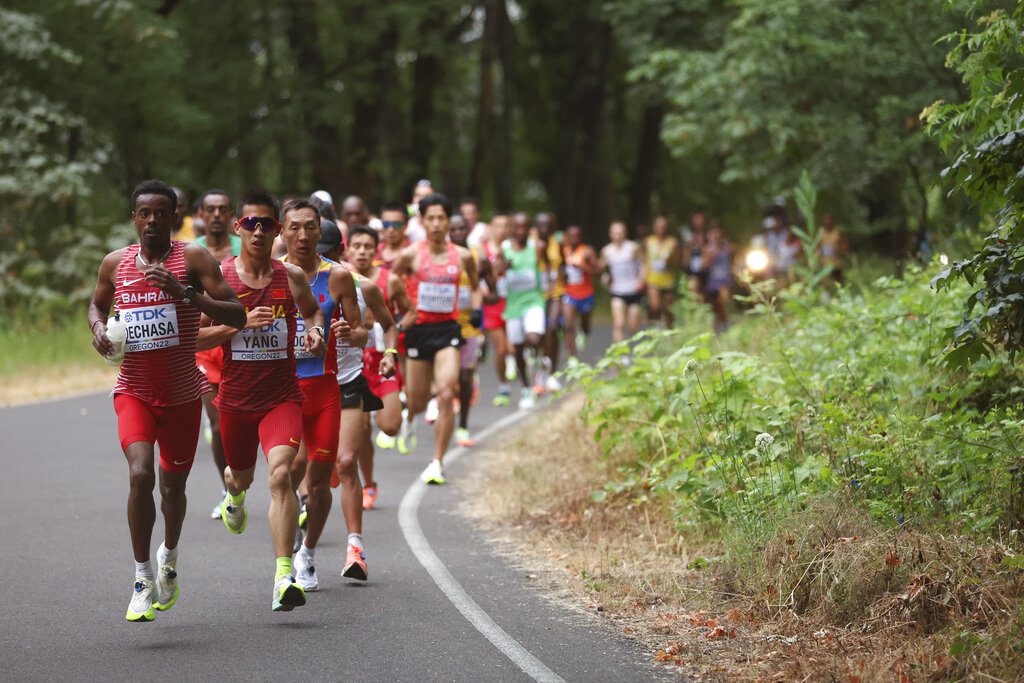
(757, 260)
(943, 259)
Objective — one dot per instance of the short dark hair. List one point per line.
(215, 190)
(469, 200)
(395, 206)
(362, 230)
(260, 198)
(324, 207)
(436, 199)
(154, 187)
(296, 204)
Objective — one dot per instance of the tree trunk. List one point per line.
(479, 165)
(648, 151)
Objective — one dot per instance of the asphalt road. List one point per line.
(66, 573)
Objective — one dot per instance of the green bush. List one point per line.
(809, 397)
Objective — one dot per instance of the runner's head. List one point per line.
(325, 208)
(181, 206)
(154, 207)
(458, 230)
(520, 228)
(300, 229)
(547, 224)
(573, 236)
(617, 232)
(660, 226)
(698, 220)
(354, 211)
(422, 189)
(362, 247)
(499, 228)
(392, 218)
(470, 210)
(435, 214)
(215, 210)
(331, 245)
(258, 235)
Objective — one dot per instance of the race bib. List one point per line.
(150, 327)
(269, 342)
(465, 298)
(521, 280)
(659, 266)
(300, 338)
(433, 297)
(624, 271)
(573, 275)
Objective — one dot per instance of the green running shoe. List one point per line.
(234, 517)
(167, 588)
(287, 594)
(140, 609)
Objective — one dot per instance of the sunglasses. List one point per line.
(251, 223)
(390, 225)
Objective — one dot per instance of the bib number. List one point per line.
(300, 339)
(521, 280)
(465, 298)
(573, 275)
(269, 342)
(433, 297)
(150, 327)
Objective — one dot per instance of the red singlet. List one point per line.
(259, 365)
(434, 288)
(579, 284)
(159, 365)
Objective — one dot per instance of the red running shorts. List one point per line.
(175, 429)
(241, 433)
(321, 417)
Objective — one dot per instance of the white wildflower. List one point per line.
(764, 441)
(691, 366)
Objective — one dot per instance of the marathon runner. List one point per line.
(663, 258)
(392, 235)
(521, 261)
(554, 285)
(260, 401)
(578, 301)
(622, 262)
(387, 383)
(322, 411)
(429, 306)
(156, 287)
(218, 217)
(471, 319)
(494, 311)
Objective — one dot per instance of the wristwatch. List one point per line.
(318, 329)
(400, 327)
(189, 294)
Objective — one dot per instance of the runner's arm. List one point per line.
(401, 301)
(349, 327)
(375, 302)
(102, 298)
(219, 301)
(309, 309)
(487, 275)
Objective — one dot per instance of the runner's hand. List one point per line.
(315, 344)
(99, 339)
(258, 317)
(164, 280)
(387, 365)
(341, 329)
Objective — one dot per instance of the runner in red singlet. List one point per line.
(156, 287)
(392, 235)
(430, 309)
(494, 312)
(260, 401)
(578, 301)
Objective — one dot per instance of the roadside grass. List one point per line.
(48, 356)
(829, 594)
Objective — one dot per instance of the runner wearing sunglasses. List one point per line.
(157, 289)
(260, 400)
(430, 312)
(392, 235)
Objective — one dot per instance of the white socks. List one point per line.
(308, 552)
(167, 556)
(356, 540)
(144, 570)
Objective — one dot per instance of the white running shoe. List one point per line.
(167, 588)
(552, 384)
(305, 572)
(141, 606)
(511, 370)
(526, 399)
(434, 474)
(407, 436)
(432, 411)
(215, 512)
(385, 442)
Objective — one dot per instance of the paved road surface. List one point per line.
(66, 578)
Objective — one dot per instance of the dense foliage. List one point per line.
(848, 395)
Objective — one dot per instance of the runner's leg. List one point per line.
(446, 377)
(141, 508)
(634, 318)
(654, 305)
(215, 443)
(569, 326)
(618, 319)
(284, 506)
(668, 297)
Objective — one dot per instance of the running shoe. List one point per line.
(434, 474)
(511, 370)
(167, 588)
(303, 516)
(141, 606)
(287, 594)
(463, 438)
(385, 442)
(370, 496)
(526, 399)
(503, 398)
(355, 564)
(305, 572)
(299, 537)
(215, 512)
(552, 384)
(234, 517)
(581, 341)
(432, 411)
(407, 438)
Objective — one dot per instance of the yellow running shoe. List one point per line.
(140, 609)
(287, 594)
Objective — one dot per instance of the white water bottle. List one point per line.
(116, 333)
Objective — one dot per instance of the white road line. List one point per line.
(408, 519)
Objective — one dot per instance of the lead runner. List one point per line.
(156, 286)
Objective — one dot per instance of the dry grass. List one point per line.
(49, 382)
(829, 597)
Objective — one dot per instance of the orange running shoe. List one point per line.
(355, 564)
(369, 496)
